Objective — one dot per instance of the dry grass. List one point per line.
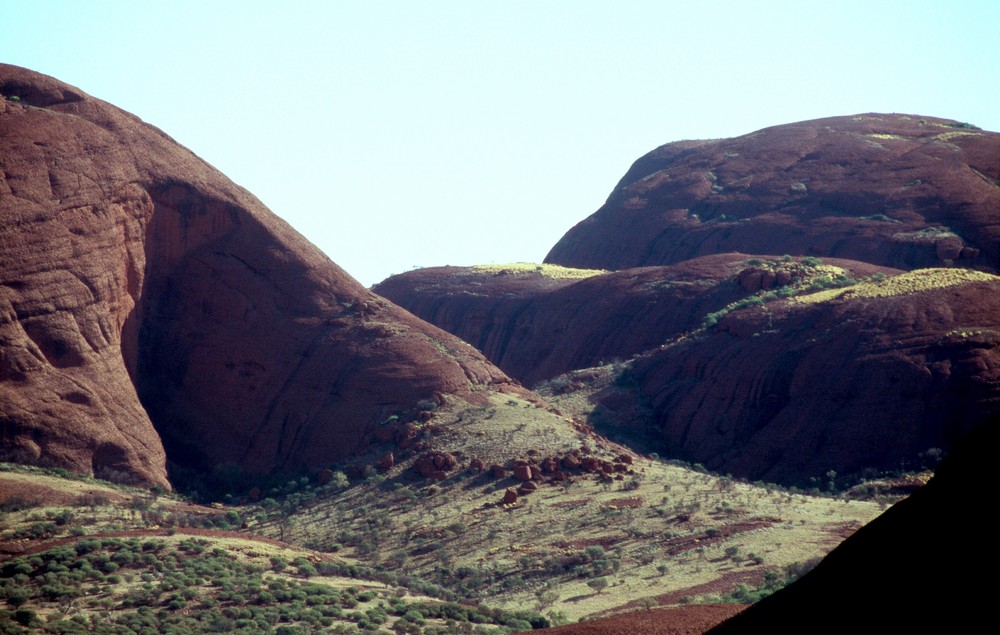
(903, 284)
(659, 534)
(944, 136)
(663, 530)
(549, 271)
(685, 520)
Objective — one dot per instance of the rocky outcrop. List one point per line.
(148, 303)
(867, 377)
(534, 325)
(894, 190)
(435, 465)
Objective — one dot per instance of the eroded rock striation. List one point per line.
(895, 190)
(147, 302)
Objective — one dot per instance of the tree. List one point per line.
(598, 584)
(546, 598)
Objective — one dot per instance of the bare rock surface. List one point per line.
(536, 324)
(147, 302)
(902, 191)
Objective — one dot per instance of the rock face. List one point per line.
(844, 380)
(894, 190)
(144, 296)
(535, 325)
(916, 555)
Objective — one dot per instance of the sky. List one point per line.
(406, 134)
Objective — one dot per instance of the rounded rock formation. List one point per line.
(894, 190)
(147, 303)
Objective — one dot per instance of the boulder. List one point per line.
(435, 464)
(571, 462)
(386, 462)
(523, 472)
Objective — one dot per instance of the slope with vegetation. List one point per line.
(397, 551)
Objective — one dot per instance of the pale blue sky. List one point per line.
(402, 134)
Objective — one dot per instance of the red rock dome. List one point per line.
(145, 297)
(903, 191)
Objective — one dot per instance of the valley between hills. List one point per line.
(768, 367)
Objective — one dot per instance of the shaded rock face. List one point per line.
(143, 296)
(535, 327)
(787, 391)
(894, 190)
(914, 569)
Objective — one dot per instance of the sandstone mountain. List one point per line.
(894, 190)
(155, 316)
(738, 365)
(144, 296)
